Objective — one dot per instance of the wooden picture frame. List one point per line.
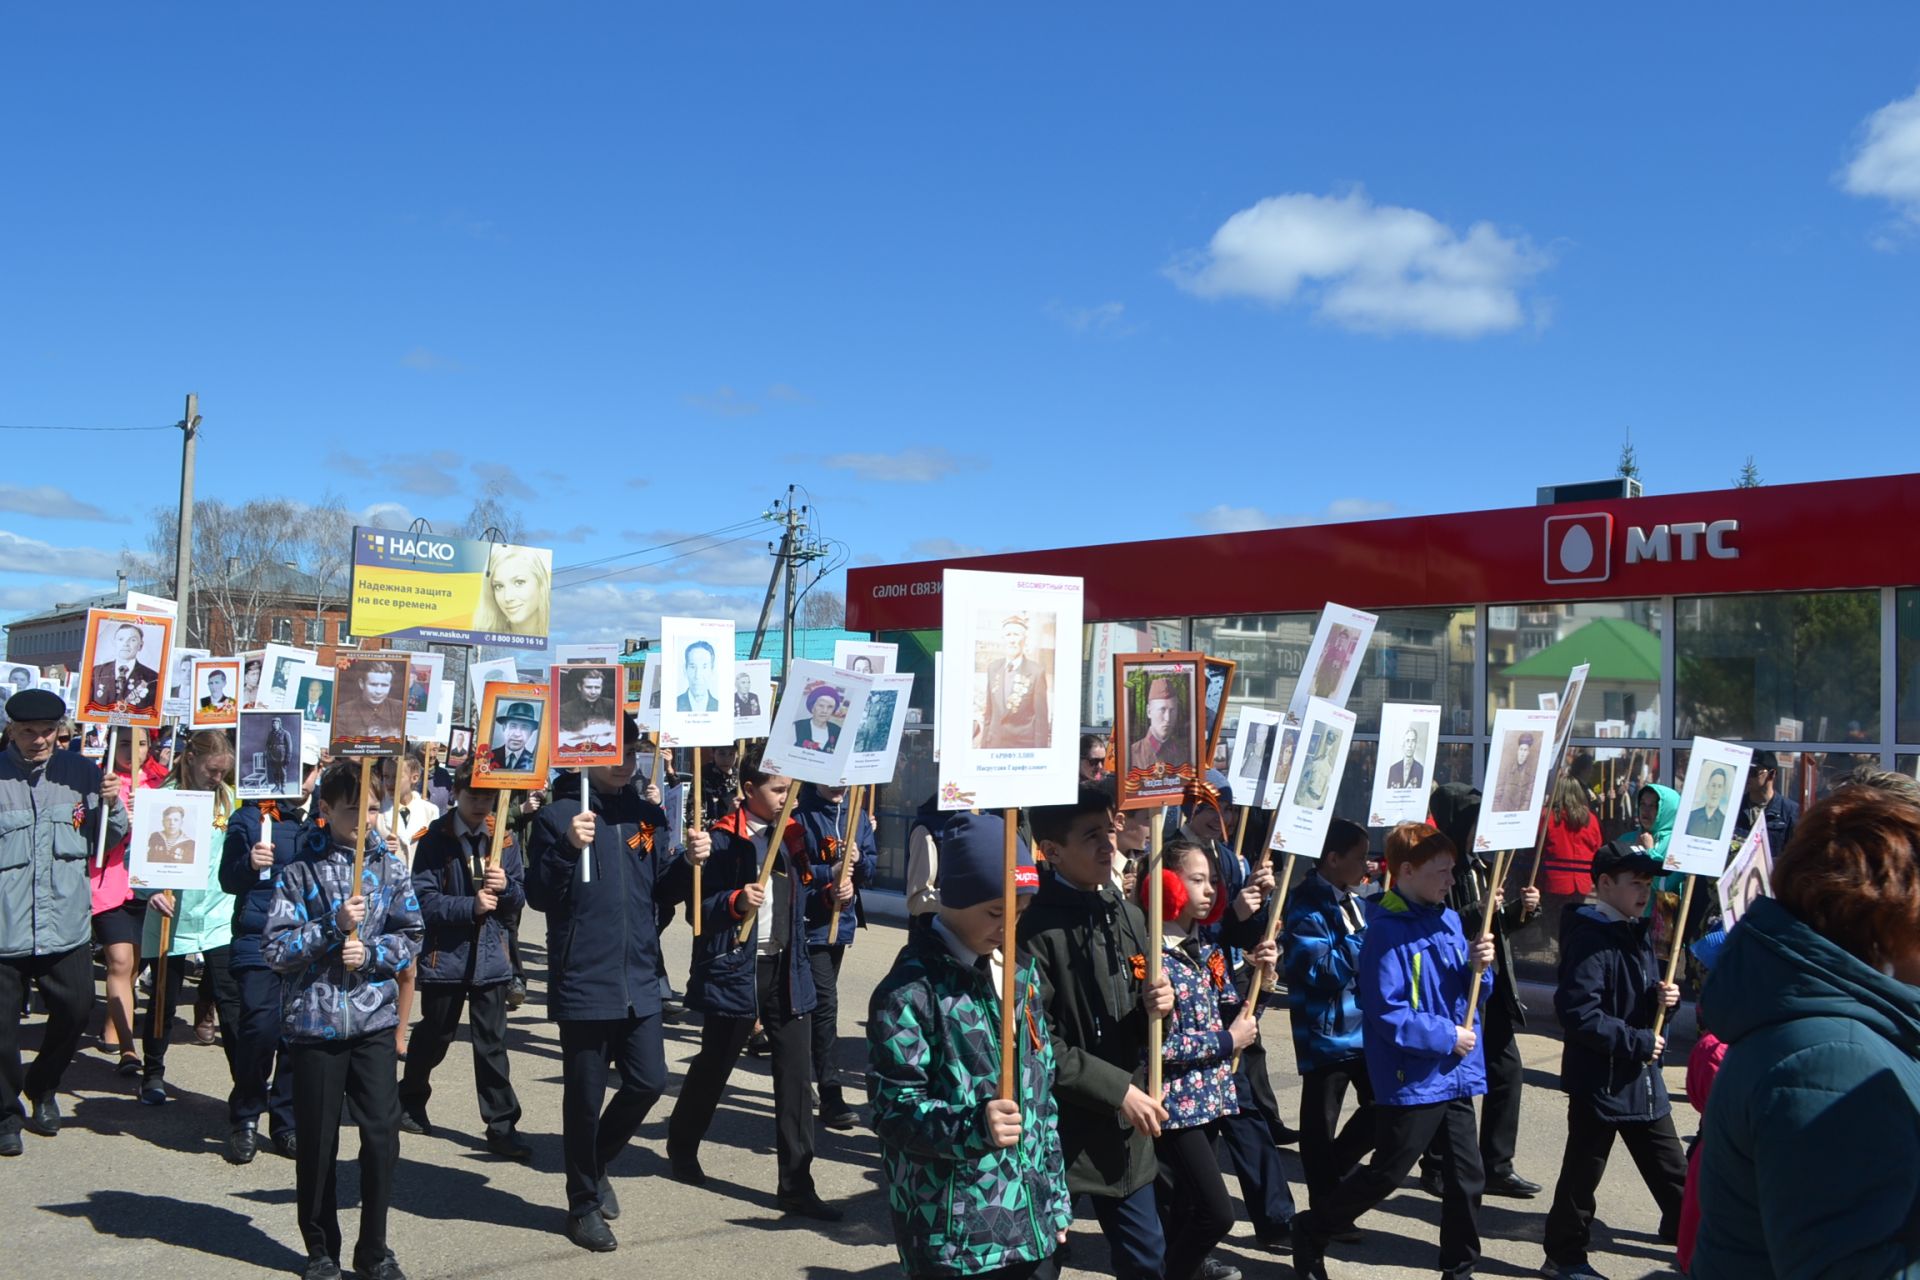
(503, 759)
(367, 722)
(1158, 754)
(586, 732)
(137, 700)
(1216, 715)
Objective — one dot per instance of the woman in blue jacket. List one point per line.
(1810, 1151)
(1416, 971)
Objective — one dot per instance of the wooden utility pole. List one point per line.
(183, 548)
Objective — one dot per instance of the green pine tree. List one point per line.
(1749, 477)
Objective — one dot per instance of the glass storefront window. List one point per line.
(1907, 663)
(1792, 667)
(1418, 655)
(1100, 641)
(1805, 776)
(1268, 650)
(1532, 647)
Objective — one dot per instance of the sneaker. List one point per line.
(591, 1232)
(153, 1089)
(1214, 1269)
(321, 1268)
(810, 1205)
(516, 993)
(414, 1122)
(1569, 1271)
(609, 1202)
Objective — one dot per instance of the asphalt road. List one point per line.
(127, 1190)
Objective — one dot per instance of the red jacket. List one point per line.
(1568, 867)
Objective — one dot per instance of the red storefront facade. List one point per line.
(1782, 613)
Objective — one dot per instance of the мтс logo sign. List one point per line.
(1579, 548)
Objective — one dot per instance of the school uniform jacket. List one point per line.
(253, 892)
(822, 825)
(461, 949)
(724, 981)
(603, 944)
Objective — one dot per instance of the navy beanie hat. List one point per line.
(972, 861)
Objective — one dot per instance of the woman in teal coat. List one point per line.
(1810, 1155)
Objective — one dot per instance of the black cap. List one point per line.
(36, 704)
(1620, 856)
(1765, 760)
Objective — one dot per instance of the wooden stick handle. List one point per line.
(360, 834)
(659, 750)
(775, 835)
(1156, 939)
(100, 835)
(699, 812)
(1500, 864)
(847, 848)
(1240, 831)
(1265, 980)
(1009, 962)
(1679, 944)
(499, 828)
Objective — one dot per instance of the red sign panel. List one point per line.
(1804, 537)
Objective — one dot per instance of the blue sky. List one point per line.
(974, 278)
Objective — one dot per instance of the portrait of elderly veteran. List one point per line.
(124, 680)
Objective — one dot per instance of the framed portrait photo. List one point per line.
(1333, 659)
(313, 699)
(1250, 767)
(1219, 692)
(370, 704)
(267, 758)
(121, 668)
(1749, 876)
(179, 700)
(280, 672)
(1716, 783)
(512, 752)
(1518, 768)
(1007, 723)
(172, 842)
(1306, 805)
(1159, 726)
(866, 657)
(752, 698)
(1403, 770)
(424, 678)
(216, 700)
(588, 723)
(696, 669)
(811, 739)
(876, 735)
(647, 711)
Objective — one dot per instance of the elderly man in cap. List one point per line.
(55, 802)
(1019, 711)
(515, 752)
(1162, 743)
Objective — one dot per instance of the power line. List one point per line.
(171, 426)
(624, 555)
(614, 573)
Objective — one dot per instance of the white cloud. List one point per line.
(56, 504)
(602, 611)
(30, 598)
(726, 402)
(1887, 164)
(421, 360)
(30, 555)
(386, 515)
(909, 466)
(1367, 267)
(942, 549)
(1230, 519)
(1106, 319)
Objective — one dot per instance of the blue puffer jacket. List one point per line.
(253, 890)
(725, 976)
(1322, 958)
(1810, 1150)
(461, 949)
(821, 822)
(1415, 973)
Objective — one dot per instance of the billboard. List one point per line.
(420, 586)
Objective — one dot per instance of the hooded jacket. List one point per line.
(724, 980)
(960, 1205)
(1415, 971)
(822, 825)
(1456, 814)
(1089, 947)
(603, 937)
(1607, 1000)
(1810, 1152)
(323, 999)
(1322, 957)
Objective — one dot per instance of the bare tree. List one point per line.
(492, 511)
(326, 549)
(821, 610)
(239, 554)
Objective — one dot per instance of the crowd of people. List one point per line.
(1396, 970)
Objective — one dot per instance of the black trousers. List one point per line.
(590, 1137)
(1400, 1135)
(441, 1004)
(262, 1066)
(326, 1073)
(1325, 1157)
(1656, 1151)
(156, 1028)
(721, 1039)
(1500, 1112)
(826, 1019)
(66, 984)
(1201, 1214)
(1246, 1147)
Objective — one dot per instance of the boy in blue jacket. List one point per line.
(1326, 927)
(1415, 971)
(822, 818)
(340, 946)
(464, 962)
(1610, 992)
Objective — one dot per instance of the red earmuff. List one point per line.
(1173, 899)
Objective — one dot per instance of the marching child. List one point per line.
(1089, 946)
(464, 963)
(1610, 992)
(933, 1035)
(340, 945)
(822, 818)
(1199, 1050)
(1416, 969)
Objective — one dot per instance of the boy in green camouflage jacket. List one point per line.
(977, 1186)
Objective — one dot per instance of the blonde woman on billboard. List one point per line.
(514, 598)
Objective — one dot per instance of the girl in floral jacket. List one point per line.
(1200, 1046)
